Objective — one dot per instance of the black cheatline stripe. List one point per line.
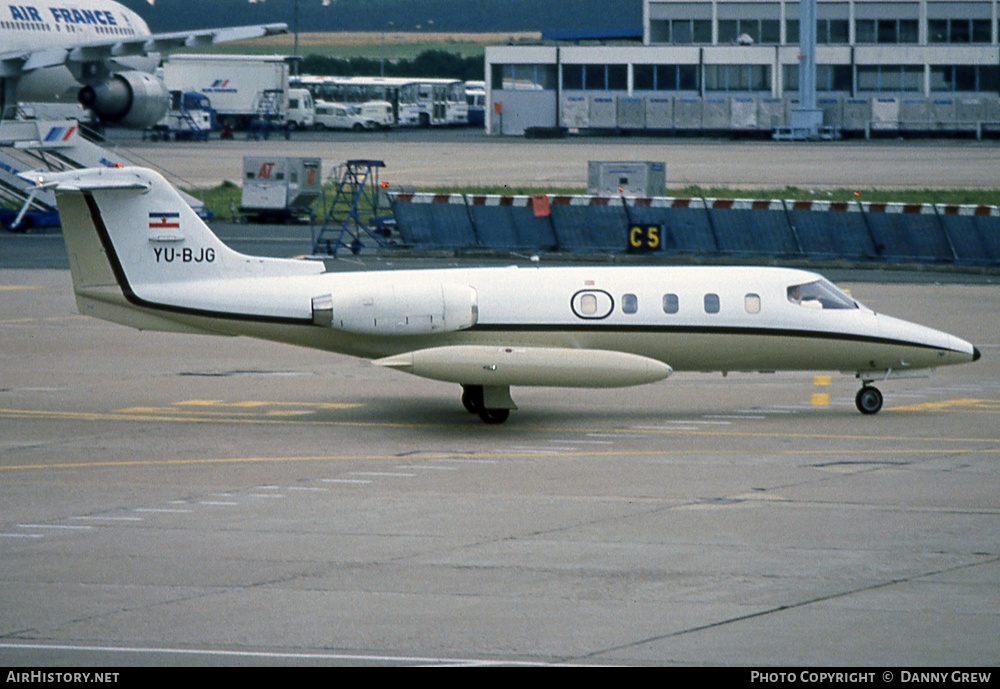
(703, 330)
(136, 300)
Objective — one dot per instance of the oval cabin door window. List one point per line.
(592, 303)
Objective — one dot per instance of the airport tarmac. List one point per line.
(184, 500)
(463, 157)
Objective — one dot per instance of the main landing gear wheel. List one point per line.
(868, 400)
(472, 398)
(473, 401)
(494, 416)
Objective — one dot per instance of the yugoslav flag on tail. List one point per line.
(164, 221)
(133, 241)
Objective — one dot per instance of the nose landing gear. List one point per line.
(868, 400)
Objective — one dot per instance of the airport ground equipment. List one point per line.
(971, 116)
(190, 118)
(626, 177)
(279, 187)
(239, 86)
(52, 145)
(357, 210)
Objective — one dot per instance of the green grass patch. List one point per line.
(222, 198)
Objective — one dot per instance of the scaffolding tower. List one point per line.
(354, 210)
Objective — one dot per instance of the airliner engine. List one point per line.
(133, 99)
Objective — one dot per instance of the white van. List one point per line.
(370, 115)
(301, 110)
(378, 114)
(339, 116)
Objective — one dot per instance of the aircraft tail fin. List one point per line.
(129, 234)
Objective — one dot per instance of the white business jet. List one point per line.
(140, 256)
(97, 52)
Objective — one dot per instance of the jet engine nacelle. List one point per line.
(133, 99)
(399, 309)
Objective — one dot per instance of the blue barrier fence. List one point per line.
(926, 233)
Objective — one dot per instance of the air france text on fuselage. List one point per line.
(64, 15)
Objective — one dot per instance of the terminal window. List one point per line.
(758, 30)
(886, 31)
(737, 77)
(977, 78)
(681, 31)
(890, 78)
(828, 31)
(958, 31)
(524, 77)
(828, 78)
(665, 77)
(595, 77)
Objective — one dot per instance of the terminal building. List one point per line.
(920, 66)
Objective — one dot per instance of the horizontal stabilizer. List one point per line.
(546, 366)
(87, 180)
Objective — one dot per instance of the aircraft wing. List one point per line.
(14, 63)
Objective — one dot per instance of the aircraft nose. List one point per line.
(976, 354)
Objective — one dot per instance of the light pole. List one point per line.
(295, 28)
(381, 67)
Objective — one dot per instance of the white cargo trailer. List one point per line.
(242, 88)
(626, 178)
(279, 187)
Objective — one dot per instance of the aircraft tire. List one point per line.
(472, 398)
(494, 416)
(868, 400)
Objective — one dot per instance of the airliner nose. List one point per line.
(976, 354)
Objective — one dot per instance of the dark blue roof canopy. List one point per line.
(577, 35)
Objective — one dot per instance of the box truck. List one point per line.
(244, 89)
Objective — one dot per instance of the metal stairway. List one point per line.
(52, 145)
(354, 210)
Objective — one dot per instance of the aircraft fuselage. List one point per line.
(142, 258)
(691, 318)
(27, 24)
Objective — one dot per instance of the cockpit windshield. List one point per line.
(820, 294)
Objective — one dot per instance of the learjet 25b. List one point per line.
(140, 256)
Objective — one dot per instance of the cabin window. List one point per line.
(630, 303)
(592, 303)
(711, 303)
(751, 303)
(670, 303)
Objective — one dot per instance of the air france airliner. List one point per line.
(141, 257)
(97, 52)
